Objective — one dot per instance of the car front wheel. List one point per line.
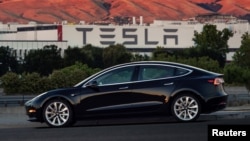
(58, 113)
(185, 108)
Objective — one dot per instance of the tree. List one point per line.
(160, 53)
(73, 55)
(7, 61)
(241, 59)
(88, 55)
(241, 56)
(140, 57)
(43, 61)
(94, 56)
(116, 54)
(212, 43)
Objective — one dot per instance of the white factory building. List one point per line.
(137, 37)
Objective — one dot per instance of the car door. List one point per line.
(154, 84)
(110, 92)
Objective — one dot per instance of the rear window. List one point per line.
(156, 72)
(180, 71)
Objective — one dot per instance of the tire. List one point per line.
(58, 113)
(185, 108)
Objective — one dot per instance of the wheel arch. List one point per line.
(69, 101)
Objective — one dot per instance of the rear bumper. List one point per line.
(216, 104)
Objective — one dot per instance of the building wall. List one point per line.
(167, 34)
(21, 48)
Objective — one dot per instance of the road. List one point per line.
(150, 129)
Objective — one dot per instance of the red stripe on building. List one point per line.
(59, 33)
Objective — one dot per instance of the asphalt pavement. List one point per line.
(15, 117)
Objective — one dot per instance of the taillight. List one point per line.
(216, 81)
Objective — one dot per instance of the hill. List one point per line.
(50, 11)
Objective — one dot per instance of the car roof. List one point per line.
(156, 62)
(166, 63)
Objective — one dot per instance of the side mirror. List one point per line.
(92, 84)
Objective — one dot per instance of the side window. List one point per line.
(155, 72)
(120, 75)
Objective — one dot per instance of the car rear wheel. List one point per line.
(185, 108)
(58, 113)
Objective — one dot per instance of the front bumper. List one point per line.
(34, 113)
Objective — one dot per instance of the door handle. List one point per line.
(167, 84)
(123, 88)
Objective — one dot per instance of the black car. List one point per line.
(132, 89)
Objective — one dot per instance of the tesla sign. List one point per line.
(129, 36)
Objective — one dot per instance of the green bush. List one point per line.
(69, 76)
(33, 83)
(11, 83)
(44, 84)
(246, 77)
(233, 74)
(29, 83)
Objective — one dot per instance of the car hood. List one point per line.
(63, 91)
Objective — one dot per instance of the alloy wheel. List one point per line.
(57, 113)
(186, 108)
